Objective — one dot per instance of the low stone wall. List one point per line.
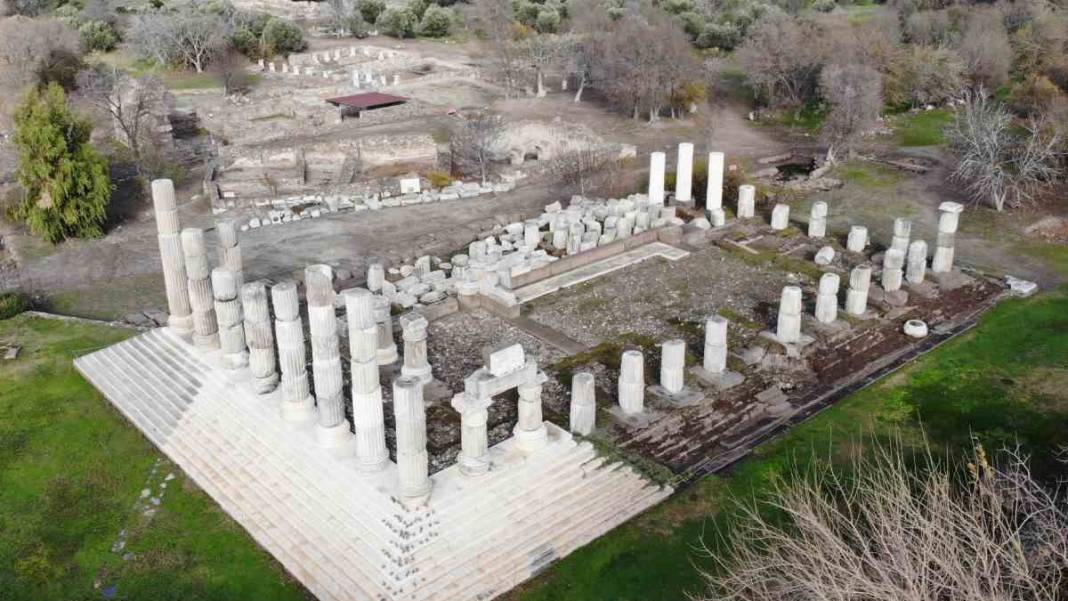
(566, 264)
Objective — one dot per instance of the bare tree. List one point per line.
(25, 46)
(782, 58)
(130, 103)
(854, 93)
(584, 168)
(539, 54)
(892, 531)
(472, 141)
(495, 19)
(985, 47)
(189, 37)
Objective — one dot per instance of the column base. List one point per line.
(236, 360)
(299, 412)
(182, 326)
(415, 500)
(387, 356)
(338, 439)
(530, 441)
(206, 343)
(422, 373)
(265, 384)
(474, 466)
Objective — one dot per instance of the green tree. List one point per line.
(436, 22)
(397, 22)
(370, 9)
(66, 181)
(282, 37)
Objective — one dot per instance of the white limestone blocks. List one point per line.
(530, 432)
(297, 402)
(657, 164)
(326, 356)
(858, 239)
(583, 403)
(916, 269)
(746, 201)
(715, 361)
(817, 220)
(413, 462)
(893, 262)
(180, 318)
(632, 382)
(948, 221)
(827, 298)
(503, 361)
(780, 217)
(259, 337)
(788, 327)
(824, 256)
(673, 365)
(230, 250)
(371, 453)
(201, 299)
(902, 231)
(857, 294)
(684, 174)
(230, 318)
(416, 365)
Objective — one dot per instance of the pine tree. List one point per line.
(66, 181)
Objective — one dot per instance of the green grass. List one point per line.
(1004, 383)
(924, 128)
(71, 470)
(871, 176)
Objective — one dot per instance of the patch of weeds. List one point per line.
(643, 465)
(737, 319)
(779, 261)
(607, 354)
(923, 128)
(870, 176)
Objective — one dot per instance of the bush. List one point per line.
(923, 75)
(418, 8)
(13, 303)
(357, 27)
(677, 7)
(436, 22)
(548, 21)
(282, 37)
(1033, 96)
(370, 10)
(396, 22)
(98, 36)
(439, 179)
(724, 36)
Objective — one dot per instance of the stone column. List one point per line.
(530, 431)
(387, 346)
(857, 294)
(583, 403)
(474, 441)
(893, 261)
(902, 230)
(917, 262)
(632, 382)
(180, 318)
(259, 337)
(948, 221)
(415, 361)
(205, 326)
(333, 428)
(780, 217)
(684, 174)
(657, 162)
(371, 453)
(531, 234)
(229, 250)
(817, 220)
(413, 462)
(715, 361)
(673, 365)
(714, 191)
(788, 327)
(230, 318)
(827, 299)
(376, 276)
(858, 239)
(746, 201)
(297, 402)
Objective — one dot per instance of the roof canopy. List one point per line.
(369, 100)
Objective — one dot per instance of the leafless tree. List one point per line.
(495, 19)
(923, 75)
(229, 67)
(893, 531)
(584, 168)
(985, 47)
(129, 104)
(188, 37)
(854, 93)
(782, 58)
(25, 46)
(997, 161)
(540, 54)
(471, 143)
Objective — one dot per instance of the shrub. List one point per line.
(438, 179)
(436, 22)
(397, 22)
(677, 7)
(725, 36)
(98, 36)
(282, 37)
(924, 75)
(370, 10)
(13, 303)
(1033, 96)
(823, 6)
(357, 27)
(692, 23)
(548, 21)
(418, 8)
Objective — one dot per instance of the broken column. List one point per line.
(684, 174)
(413, 462)
(583, 403)
(387, 346)
(827, 298)
(530, 431)
(817, 220)
(333, 428)
(746, 201)
(376, 276)
(657, 163)
(780, 217)
(229, 250)
(474, 440)
(714, 191)
(948, 221)
(259, 337)
(632, 382)
(201, 299)
(297, 402)
(180, 318)
(788, 326)
(371, 453)
(893, 261)
(416, 365)
(715, 361)
(673, 365)
(916, 262)
(858, 239)
(857, 295)
(902, 230)
(230, 319)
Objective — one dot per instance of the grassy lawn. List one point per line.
(924, 128)
(71, 475)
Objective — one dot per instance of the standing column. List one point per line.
(376, 276)
(893, 261)
(657, 162)
(714, 190)
(231, 321)
(583, 403)
(259, 337)
(827, 299)
(817, 220)
(474, 440)
(530, 431)
(632, 382)
(917, 262)
(942, 261)
(858, 239)
(371, 452)
(746, 201)
(715, 361)
(415, 365)
(788, 328)
(326, 356)
(387, 346)
(297, 402)
(902, 231)
(229, 250)
(684, 174)
(413, 462)
(672, 365)
(205, 327)
(857, 295)
(180, 318)
(780, 217)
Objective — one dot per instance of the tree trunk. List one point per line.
(581, 87)
(541, 85)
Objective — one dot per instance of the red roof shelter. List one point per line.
(365, 102)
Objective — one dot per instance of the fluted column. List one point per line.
(916, 270)
(858, 239)
(817, 220)
(632, 382)
(297, 402)
(230, 250)
(413, 462)
(530, 432)
(857, 295)
(180, 318)
(474, 439)
(367, 413)
(788, 327)
(827, 298)
(259, 337)
(673, 365)
(948, 221)
(902, 231)
(376, 276)
(230, 317)
(893, 262)
(326, 356)
(583, 403)
(201, 299)
(387, 346)
(416, 364)
(746, 201)
(715, 361)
